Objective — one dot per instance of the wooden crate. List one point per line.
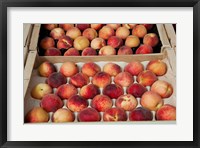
(171, 34)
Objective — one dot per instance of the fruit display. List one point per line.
(98, 39)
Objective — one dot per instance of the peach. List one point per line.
(122, 32)
(166, 112)
(90, 33)
(98, 43)
(151, 100)
(90, 69)
(146, 78)
(63, 115)
(144, 49)
(148, 26)
(126, 102)
(40, 90)
(82, 27)
(101, 79)
(114, 26)
(158, 67)
(124, 79)
(69, 69)
(47, 42)
(66, 26)
(113, 91)
(96, 26)
(73, 33)
(114, 114)
(105, 32)
(125, 50)
(114, 41)
(89, 91)
(112, 69)
(36, 115)
(137, 90)
(81, 42)
(51, 103)
(132, 41)
(107, 50)
(88, 51)
(163, 88)
(129, 26)
(56, 79)
(46, 68)
(134, 68)
(140, 114)
(89, 115)
(139, 31)
(76, 103)
(49, 26)
(151, 39)
(65, 91)
(64, 42)
(72, 52)
(79, 80)
(56, 33)
(52, 51)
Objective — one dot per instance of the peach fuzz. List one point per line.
(52, 51)
(112, 69)
(82, 27)
(107, 50)
(90, 69)
(132, 41)
(114, 26)
(47, 42)
(69, 69)
(63, 115)
(81, 42)
(98, 43)
(88, 51)
(134, 68)
(96, 26)
(166, 112)
(114, 114)
(66, 26)
(46, 68)
(36, 115)
(137, 90)
(105, 32)
(65, 91)
(113, 91)
(114, 41)
(72, 52)
(101, 103)
(76, 103)
(51, 103)
(56, 33)
(140, 114)
(146, 78)
(56, 79)
(49, 26)
(124, 79)
(101, 79)
(79, 80)
(144, 49)
(151, 39)
(125, 50)
(122, 32)
(139, 31)
(89, 91)
(73, 32)
(163, 88)
(158, 67)
(90, 33)
(151, 100)
(129, 26)
(89, 115)
(64, 42)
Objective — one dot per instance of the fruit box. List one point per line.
(171, 34)
(31, 76)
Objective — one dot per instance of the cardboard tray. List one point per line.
(171, 34)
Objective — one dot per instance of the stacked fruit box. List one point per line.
(100, 73)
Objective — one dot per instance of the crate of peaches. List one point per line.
(98, 39)
(102, 90)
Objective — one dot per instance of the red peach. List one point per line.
(129, 26)
(158, 67)
(90, 33)
(66, 26)
(114, 114)
(140, 114)
(101, 79)
(144, 49)
(137, 90)
(72, 52)
(65, 91)
(98, 43)
(90, 69)
(134, 68)
(56, 79)
(115, 41)
(89, 115)
(89, 91)
(105, 32)
(148, 26)
(146, 78)
(73, 33)
(112, 69)
(79, 80)
(122, 32)
(81, 42)
(46, 68)
(69, 69)
(64, 42)
(107, 50)
(56, 33)
(52, 52)
(114, 26)
(132, 41)
(96, 26)
(82, 27)
(63, 115)
(76, 103)
(140, 31)
(166, 112)
(125, 50)
(88, 51)
(47, 42)
(49, 26)
(113, 91)
(151, 39)
(123, 79)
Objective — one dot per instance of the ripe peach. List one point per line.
(65, 91)
(144, 49)
(69, 69)
(47, 42)
(158, 67)
(52, 51)
(101, 103)
(82, 27)
(151, 39)
(163, 88)
(79, 80)
(129, 26)
(114, 26)
(134, 68)
(72, 52)
(81, 42)
(90, 33)
(90, 69)
(124, 50)
(123, 79)
(46, 68)
(132, 41)
(51, 103)
(113, 91)
(89, 91)
(112, 69)
(73, 33)
(40, 90)
(107, 50)
(37, 114)
(98, 43)
(146, 78)
(88, 51)
(126, 102)
(140, 31)
(101, 79)
(122, 32)
(148, 26)
(114, 114)
(166, 112)
(151, 100)
(105, 32)
(140, 114)
(96, 26)
(49, 26)
(76, 103)
(64, 42)
(115, 41)
(89, 115)
(63, 115)
(56, 79)
(137, 90)
(56, 33)
(66, 26)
